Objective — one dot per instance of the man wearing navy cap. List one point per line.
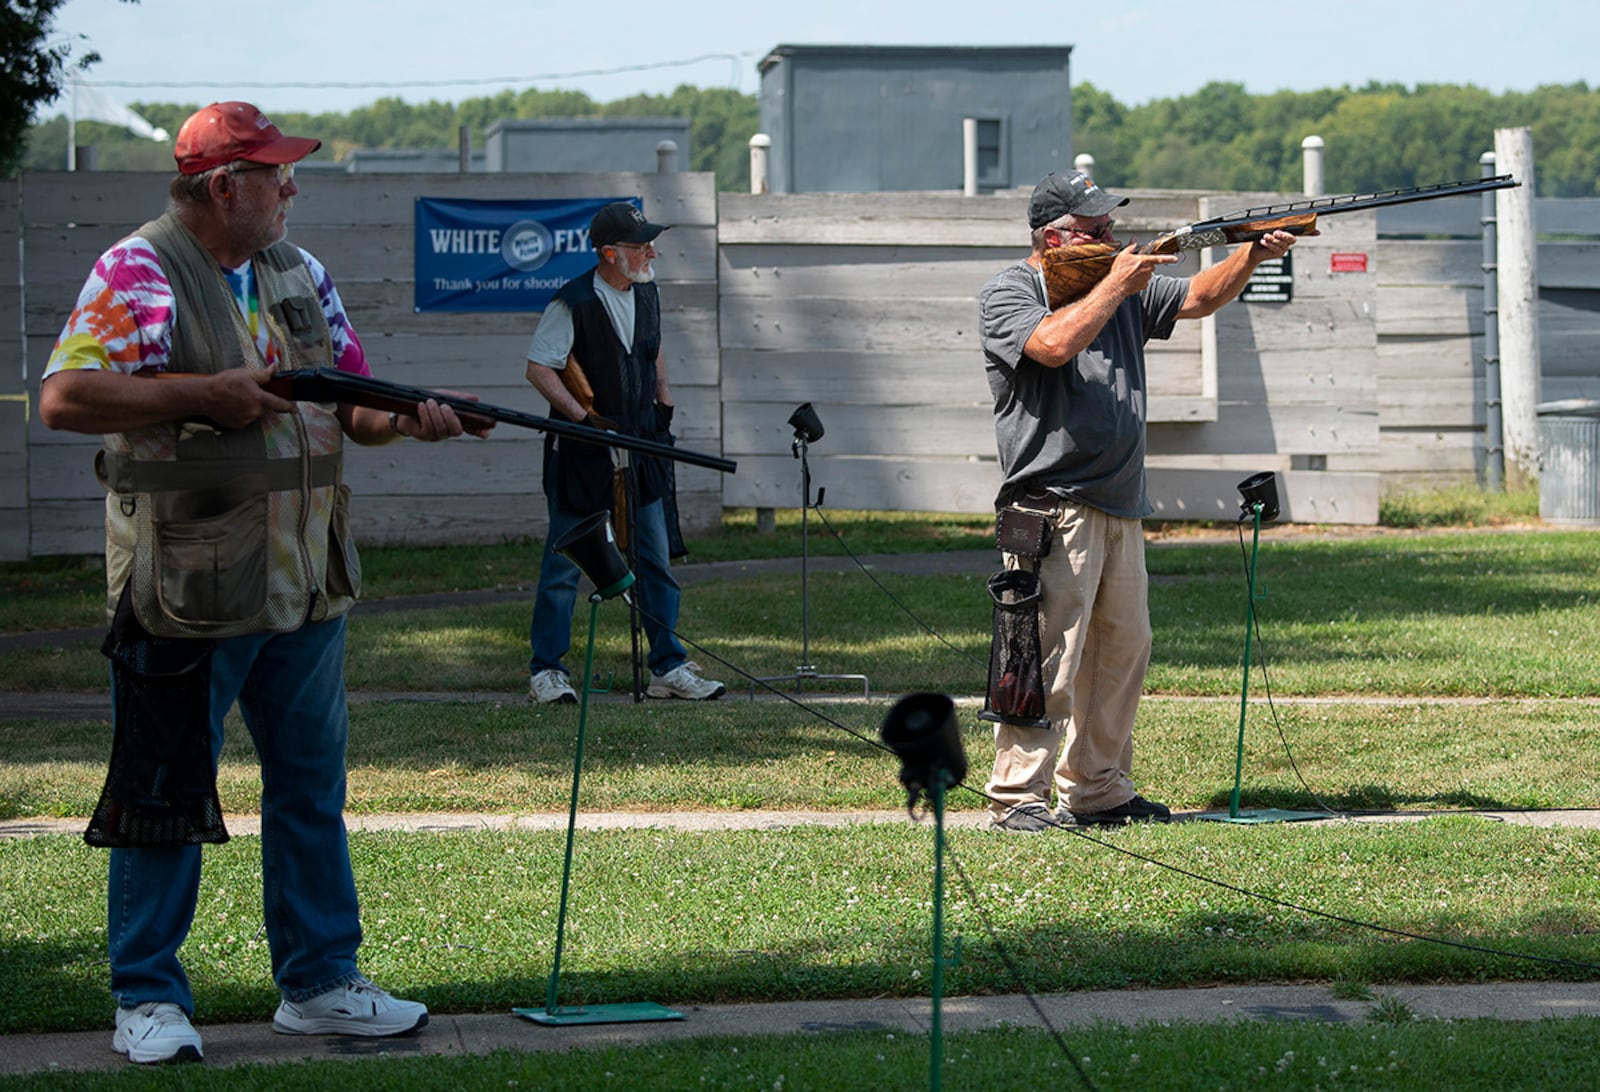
(1069, 415)
(605, 327)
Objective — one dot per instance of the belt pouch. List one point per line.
(1023, 532)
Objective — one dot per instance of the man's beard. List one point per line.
(256, 237)
(643, 275)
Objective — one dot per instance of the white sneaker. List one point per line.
(359, 1008)
(684, 681)
(550, 687)
(156, 1031)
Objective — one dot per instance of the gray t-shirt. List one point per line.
(553, 337)
(1076, 431)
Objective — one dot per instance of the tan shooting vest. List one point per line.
(229, 532)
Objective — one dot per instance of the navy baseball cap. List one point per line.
(1058, 195)
(620, 222)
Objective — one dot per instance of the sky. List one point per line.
(294, 55)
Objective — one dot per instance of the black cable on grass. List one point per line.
(1015, 971)
(1004, 954)
(984, 664)
(1146, 859)
(1286, 905)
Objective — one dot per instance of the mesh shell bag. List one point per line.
(1016, 683)
(161, 788)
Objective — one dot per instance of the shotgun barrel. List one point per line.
(1071, 272)
(331, 385)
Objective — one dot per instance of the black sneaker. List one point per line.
(1137, 810)
(1026, 819)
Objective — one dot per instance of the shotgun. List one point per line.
(1070, 272)
(331, 385)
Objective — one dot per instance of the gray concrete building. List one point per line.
(854, 119)
(557, 145)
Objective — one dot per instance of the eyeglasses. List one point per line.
(285, 170)
(1102, 231)
(634, 246)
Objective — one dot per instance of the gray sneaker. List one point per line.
(1032, 818)
(684, 681)
(358, 1008)
(550, 687)
(156, 1031)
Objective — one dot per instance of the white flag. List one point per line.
(92, 104)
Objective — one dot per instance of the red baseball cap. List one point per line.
(226, 131)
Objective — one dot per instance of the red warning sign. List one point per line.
(1347, 262)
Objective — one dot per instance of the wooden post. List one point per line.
(1519, 305)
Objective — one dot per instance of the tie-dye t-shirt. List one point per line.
(123, 320)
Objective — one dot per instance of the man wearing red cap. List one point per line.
(227, 539)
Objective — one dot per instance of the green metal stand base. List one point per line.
(1262, 815)
(628, 1012)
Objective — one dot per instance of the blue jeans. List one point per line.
(290, 690)
(656, 592)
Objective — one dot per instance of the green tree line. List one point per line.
(1379, 136)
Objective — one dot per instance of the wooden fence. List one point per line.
(864, 305)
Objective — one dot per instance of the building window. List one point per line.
(992, 157)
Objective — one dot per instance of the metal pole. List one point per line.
(969, 157)
(666, 157)
(760, 146)
(936, 1059)
(1494, 449)
(572, 810)
(1311, 166)
(1244, 687)
(805, 667)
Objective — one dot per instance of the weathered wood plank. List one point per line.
(889, 219)
(1346, 375)
(880, 272)
(1287, 429)
(1454, 451)
(1305, 496)
(1430, 311)
(833, 324)
(357, 253)
(870, 378)
(371, 200)
(927, 485)
(904, 431)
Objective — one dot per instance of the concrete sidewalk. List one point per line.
(454, 1036)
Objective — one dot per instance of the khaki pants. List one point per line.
(1094, 632)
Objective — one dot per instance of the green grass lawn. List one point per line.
(1446, 671)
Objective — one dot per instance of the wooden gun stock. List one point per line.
(1303, 224)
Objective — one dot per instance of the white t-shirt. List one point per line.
(552, 339)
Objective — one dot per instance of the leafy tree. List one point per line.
(1379, 136)
(34, 69)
